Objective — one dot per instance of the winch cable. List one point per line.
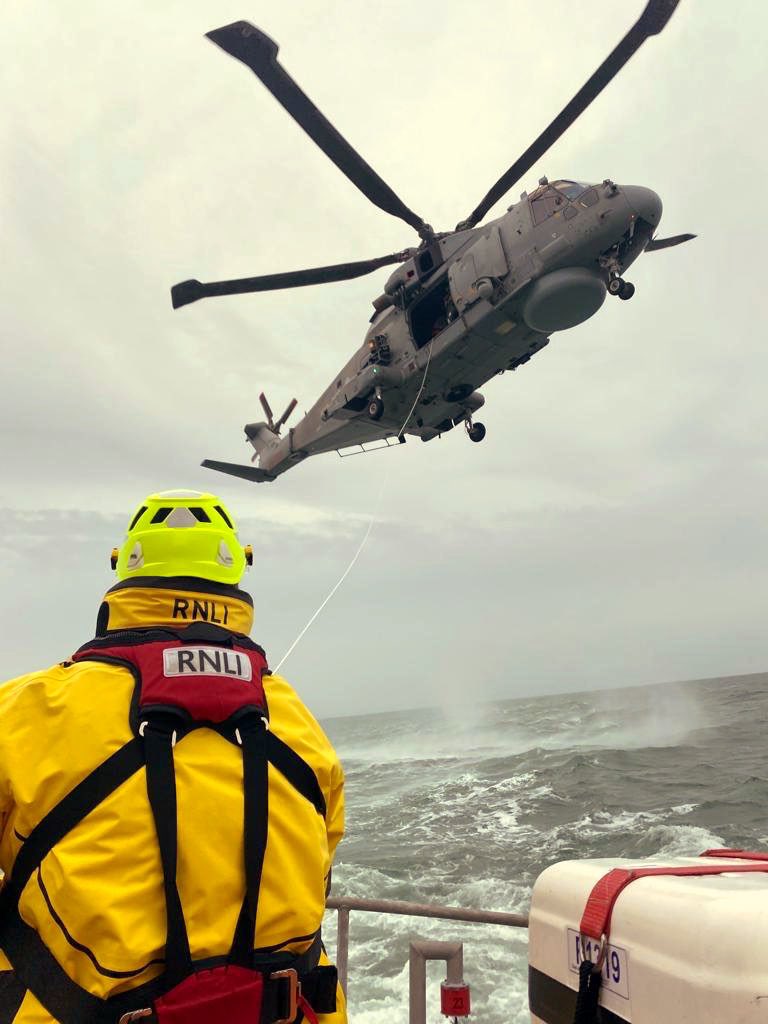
(340, 580)
(367, 533)
(419, 393)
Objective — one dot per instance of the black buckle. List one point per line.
(291, 1005)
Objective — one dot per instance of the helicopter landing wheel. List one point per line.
(476, 432)
(375, 409)
(615, 285)
(627, 290)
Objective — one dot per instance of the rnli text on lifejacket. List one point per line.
(208, 661)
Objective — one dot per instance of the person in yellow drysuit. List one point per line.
(93, 900)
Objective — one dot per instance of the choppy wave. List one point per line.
(467, 806)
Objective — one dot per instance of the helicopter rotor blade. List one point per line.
(667, 243)
(190, 291)
(653, 19)
(257, 51)
(266, 407)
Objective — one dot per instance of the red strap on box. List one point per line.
(596, 920)
(738, 854)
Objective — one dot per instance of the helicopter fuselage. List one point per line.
(467, 306)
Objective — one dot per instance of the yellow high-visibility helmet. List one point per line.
(182, 533)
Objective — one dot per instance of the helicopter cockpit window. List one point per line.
(589, 198)
(570, 189)
(545, 203)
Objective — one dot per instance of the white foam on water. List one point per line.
(684, 840)
(670, 839)
(365, 882)
(684, 808)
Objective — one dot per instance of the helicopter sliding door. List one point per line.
(445, 300)
(431, 313)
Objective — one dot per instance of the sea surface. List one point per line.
(466, 806)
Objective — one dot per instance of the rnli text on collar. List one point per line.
(204, 610)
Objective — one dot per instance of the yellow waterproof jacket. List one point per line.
(97, 900)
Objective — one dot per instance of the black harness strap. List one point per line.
(38, 970)
(253, 734)
(62, 818)
(161, 790)
(296, 771)
(12, 994)
(305, 964)
(319, 989)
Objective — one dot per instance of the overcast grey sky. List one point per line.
(612, 527)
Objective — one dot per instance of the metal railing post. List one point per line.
(420, 952)
(342, 945)
(451, 952)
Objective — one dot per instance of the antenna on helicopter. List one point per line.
(276, 427)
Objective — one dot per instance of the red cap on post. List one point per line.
(454, 1000)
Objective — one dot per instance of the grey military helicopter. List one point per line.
(463, 305)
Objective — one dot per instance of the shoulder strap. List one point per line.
(62, 818)
(296, 770)
(12, 994)
(254, 734)
(39, 971)
(161, 791)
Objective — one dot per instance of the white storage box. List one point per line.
(690, 950)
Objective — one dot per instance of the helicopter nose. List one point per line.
(644, 202)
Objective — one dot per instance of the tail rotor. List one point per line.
(276, 427)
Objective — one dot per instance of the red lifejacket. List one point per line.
(199, 677)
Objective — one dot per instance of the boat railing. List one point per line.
(344, 905)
